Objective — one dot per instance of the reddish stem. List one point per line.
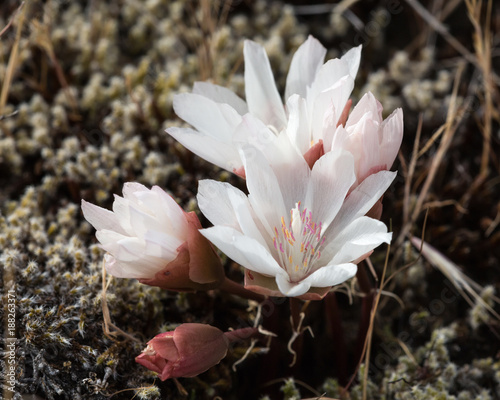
(237, 289)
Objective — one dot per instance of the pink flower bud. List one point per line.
(189, 350)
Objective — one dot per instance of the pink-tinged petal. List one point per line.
(305, 64)
(205, 267)
(165, 346)
(154, 363)
(223, 154)
(262, 96)
(100, 218)
(392, 136)
(213, 119)
(220, 94)
(242, 249)
(367, 150)
(262, 284)
(331, 275)
(352, 58)
(314, 153)
(188, 338)
(297, 127)
(200, 346)
(367, 105)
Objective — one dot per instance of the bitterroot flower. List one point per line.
(315, 101)
(150, 238)
(189, 350)
(298, 233)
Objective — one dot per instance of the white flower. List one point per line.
(150, 238)
(297, 234)
(314, 91)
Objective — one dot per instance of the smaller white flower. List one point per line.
(297, 233)
(373, 141)
(314, 91)
(150, 238)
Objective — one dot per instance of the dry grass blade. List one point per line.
(11, 67)
(441, 29)
(482, 47)
(467, 288)
(453, 120)
(107, 324)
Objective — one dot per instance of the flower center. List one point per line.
(298, 243)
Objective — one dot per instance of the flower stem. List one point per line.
(237, 289)
(366, 306)
(334, 320)
(241, 334)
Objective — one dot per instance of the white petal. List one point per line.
(264, 188)
(213, 119)
(215, 151)
(244, 250)
(335, 97)
(131, 270)
(262, 95)
(328, 75)
(245, 216)
(170, 211)
(291, 289)
(130, 188)
(220, 94)
(331, 275)
(305, 64)
(359, 237)
(161, 245)
(361, 199)
(100, 218)
(253, 131)
(121, 208)
(392, 136)
(123, 248)
(331, 177)
(107, 237)
(297, 127)
(352, 59)
(214, 203)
